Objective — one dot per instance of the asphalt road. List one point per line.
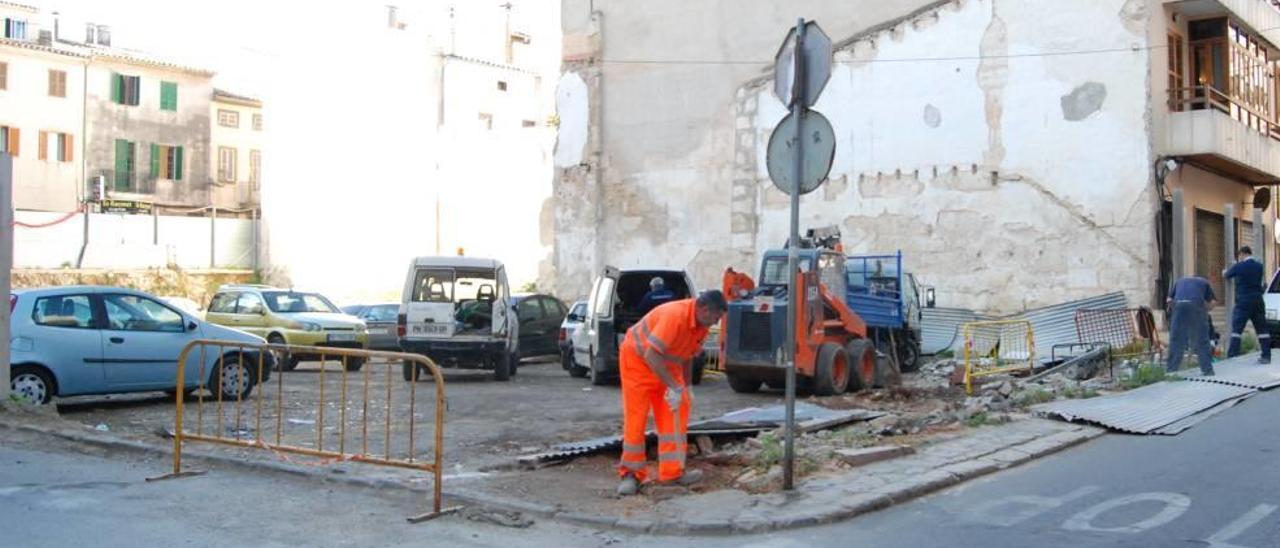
(1215, 485)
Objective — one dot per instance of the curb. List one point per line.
(851, 504)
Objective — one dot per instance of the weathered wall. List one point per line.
(132, 241)
(658, 165)
(146, 124)
(1010, 178)
(196, 285)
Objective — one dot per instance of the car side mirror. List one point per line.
(192, 325)
(930, 298)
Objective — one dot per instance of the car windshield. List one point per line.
(775, 270)
(290, 302)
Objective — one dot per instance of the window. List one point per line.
(290, 302)
(125, 151)
(57, 83)
(55, 146)
(226, 164)
(223, 303)
(602, 298)
(63, 311)
(554, 308)
(134, 313)
(530, 310)
(528, 123)
(249, 303)
(4, 75)
(166, 162)
(125, 90)
(257, 122)
(255, 168)
(168, 96)
(502, 86)
(1176, 79)
(15, 29)
(486, 120)
(10, 138)
(382, 313)
(228, 118)
(433, 286)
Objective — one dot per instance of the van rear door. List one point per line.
(600, 315)
(1271, 300)
(429, 308)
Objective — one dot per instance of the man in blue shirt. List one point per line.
(1190, 301)
(1248, 273)
(658, 294)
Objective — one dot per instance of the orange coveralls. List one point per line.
(672, 330)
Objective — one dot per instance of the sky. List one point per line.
(354, 164)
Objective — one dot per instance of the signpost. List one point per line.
(805, 143)
(6, 265)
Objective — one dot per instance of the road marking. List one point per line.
(1174, 506)
(1240, 525)
(987, 513)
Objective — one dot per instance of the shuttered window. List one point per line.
(226, 164)
(4, 75)
(10, 139)
(57, 83)
(125, 151)
(55, 146)
(126, 90)
(166, 162)
(168, 96)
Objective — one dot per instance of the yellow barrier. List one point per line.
(229, 360)
(995, 347)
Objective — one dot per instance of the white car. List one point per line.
(458, 311)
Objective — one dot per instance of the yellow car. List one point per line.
(284, 316)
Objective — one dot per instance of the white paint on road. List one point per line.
(1175, 505)
(1005, 512)
(1222, 538)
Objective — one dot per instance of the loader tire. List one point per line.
(862, 356)
(743, 384)
(831, 372)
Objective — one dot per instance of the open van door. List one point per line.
(600, 321)
(504, 323)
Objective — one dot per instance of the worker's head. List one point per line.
(656, 283)
(710, 307)
(1244, 251)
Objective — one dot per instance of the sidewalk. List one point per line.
(815, 501)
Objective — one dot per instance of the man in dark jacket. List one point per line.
(1190, 301)
(1248, 273)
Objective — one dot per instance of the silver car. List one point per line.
(381, 319)
(80, 340)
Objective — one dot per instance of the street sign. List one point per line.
(815, 156)
(815, 53)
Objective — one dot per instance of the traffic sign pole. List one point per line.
(798, 99)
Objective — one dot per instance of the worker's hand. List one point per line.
(673, 397)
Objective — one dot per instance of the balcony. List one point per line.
(1219, 133)
(1263, 16)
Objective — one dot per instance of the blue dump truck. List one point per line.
(887, 298)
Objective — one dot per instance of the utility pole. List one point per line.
(6, 266)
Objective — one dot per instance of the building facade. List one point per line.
(1017, 160)
(236, 143)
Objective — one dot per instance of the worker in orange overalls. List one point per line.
(737, 286)
(655, 363)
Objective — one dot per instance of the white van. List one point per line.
(457, 311)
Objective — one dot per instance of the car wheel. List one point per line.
(231, 379)
(597, 377)
(284, 362)
(32, 384)
(408, 367)
(515, 363)
(354, 364)
(502, 367)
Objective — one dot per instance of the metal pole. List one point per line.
(793, 265)
(155, 225)
(213, 237)
(84, 241)
(6, 265)
(1229, 257)
(255, 240)
(1178, 240)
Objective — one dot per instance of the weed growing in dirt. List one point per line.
(1147, 373)
(770, 452)
(1079, 393)
(984, 419)
(1035, 397)
(1249, 344)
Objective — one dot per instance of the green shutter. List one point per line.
(155, 161)
(168, 96)
(117, 88)
(122, 165)
(177, 165)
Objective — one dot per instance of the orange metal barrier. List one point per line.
(226, 363)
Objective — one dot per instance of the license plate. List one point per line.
(342, 337)
(430, 329)
(377, 331)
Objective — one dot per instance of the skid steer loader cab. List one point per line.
(457, 311)
(614, 305)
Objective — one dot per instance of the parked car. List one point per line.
(613, 307)
(285, 316)
(539, 317)
(81, 340)
(380, 321)
(458, 312)
(568, 329)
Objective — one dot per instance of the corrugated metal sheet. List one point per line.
(940, 328)
(1057, 324)
(1146, 410)
(1239, 371)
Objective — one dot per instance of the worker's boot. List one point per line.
(628, 486)
(690, 477)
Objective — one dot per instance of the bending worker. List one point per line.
(1248, 273)
(656, 366)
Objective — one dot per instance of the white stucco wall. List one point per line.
(954, 145)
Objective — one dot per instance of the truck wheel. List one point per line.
(862, 354)
(909, 355)
(571, 365)
(502, 366)
(598, 378)
(743, 384)
(831, 374)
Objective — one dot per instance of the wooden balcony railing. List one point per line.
(1208, 97)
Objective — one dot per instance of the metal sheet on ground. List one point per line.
(1145, 410)
(809, 418)
(1241, 371)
